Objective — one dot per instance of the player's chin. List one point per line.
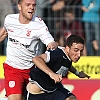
(30, 18)
(75, 60)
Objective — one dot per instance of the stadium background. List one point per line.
(84, 89)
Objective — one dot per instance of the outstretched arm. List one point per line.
(40, 62)
(80, 74)
(3, 34)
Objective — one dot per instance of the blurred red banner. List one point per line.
(84, 89)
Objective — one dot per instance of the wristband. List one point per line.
(77, 73)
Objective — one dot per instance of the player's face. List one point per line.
(75, 51)
(27, 9)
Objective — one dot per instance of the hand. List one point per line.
(83, 75)
(84, 9)
(56, 77)
(52, 46)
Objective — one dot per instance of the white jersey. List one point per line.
(23, 40)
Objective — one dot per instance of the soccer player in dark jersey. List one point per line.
(45, 84)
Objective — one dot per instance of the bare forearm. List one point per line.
(84, 9)
(2, 38)
(80, 74)
(3, 34)
(40, 63)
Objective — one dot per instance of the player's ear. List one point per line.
(19, 7)
(67, 48)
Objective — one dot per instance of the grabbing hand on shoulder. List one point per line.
(52, 46)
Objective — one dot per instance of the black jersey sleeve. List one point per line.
(55, 55)
(58, 60)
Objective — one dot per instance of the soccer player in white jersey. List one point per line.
(24, 31)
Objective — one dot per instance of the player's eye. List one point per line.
(34, 4)
(76, 50)
(27, 4)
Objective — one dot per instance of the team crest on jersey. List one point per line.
(28, 33)
(11, 84)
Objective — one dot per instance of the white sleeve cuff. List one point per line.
(48, 56)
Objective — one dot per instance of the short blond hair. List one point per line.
(19, 1)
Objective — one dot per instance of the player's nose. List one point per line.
(78, 53)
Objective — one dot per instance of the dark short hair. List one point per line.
(74, 39)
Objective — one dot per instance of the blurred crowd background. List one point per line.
(64, 17)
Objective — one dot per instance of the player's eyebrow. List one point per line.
(74, 48)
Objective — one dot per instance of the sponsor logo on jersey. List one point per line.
(10, 30)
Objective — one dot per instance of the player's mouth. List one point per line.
(31, 12)
(76, 59)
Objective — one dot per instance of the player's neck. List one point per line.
(23, 20)
(65, 51)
